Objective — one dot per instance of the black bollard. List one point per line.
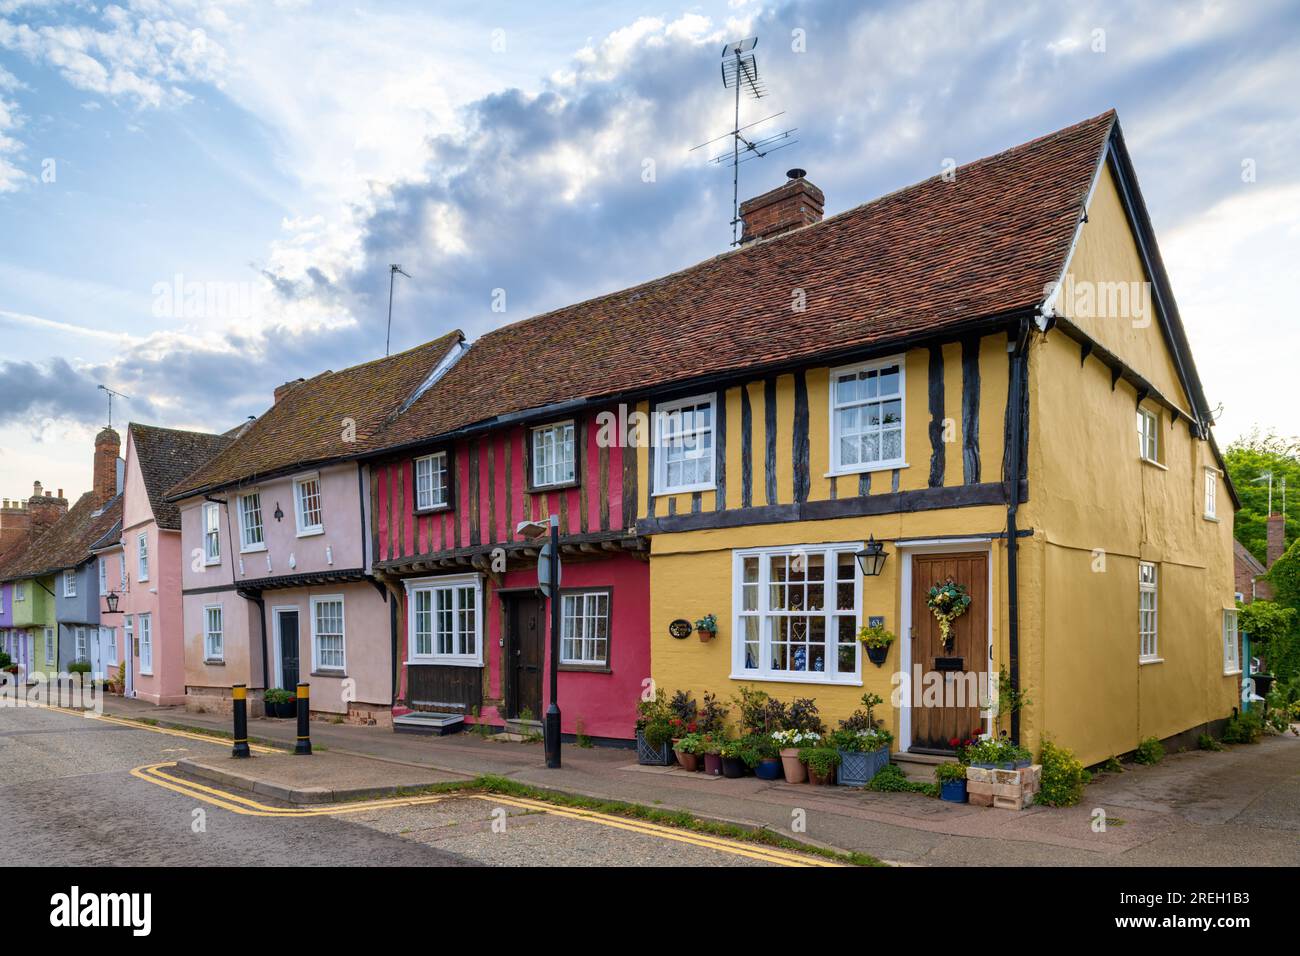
(303, 746)
(239, 696)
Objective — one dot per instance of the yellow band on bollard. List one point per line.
(304, 690)
(239, 693)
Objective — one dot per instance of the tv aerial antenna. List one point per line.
(111, 395)
(740, 74)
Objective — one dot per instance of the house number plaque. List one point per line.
(681, 628)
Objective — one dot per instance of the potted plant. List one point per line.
(760, 756)
(653, 731)
(952, 781)
(822, 762)
(712, 753)
(732, 753)
(947, 602)
(688, 750)
(280, 703)
(788, 744)
(863, 744)
(707, 628)
(876, 641)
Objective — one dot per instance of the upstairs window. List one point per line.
(70, 583)
(684, 445)
(553, 455)
(142, 556)
(431, 482)
(1148, 425)
(250, 523)
(211, 533)
(103, 576)
(867, 416)
(1211, 492)
(307, 503)
(20, 590)
(1148, 610)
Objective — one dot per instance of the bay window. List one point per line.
(444, 620)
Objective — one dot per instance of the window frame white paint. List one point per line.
(300, 509)
(144, 628)
(101, 563)
(242, 508)
(766, 616)
(1152, 587)
(211, 517)
(1211, 512)
(20, 591)
(70, 582)
(142, 556)
(453, 582)
(1148, 430)
(208, 632)
(664, 413)
(445, 489)
(80, 643)
(109, 644)
(604, 594)
(833, 408)
(316, 665)
(50, 650)
(128, 635)
(1231, 663)
(557, 443)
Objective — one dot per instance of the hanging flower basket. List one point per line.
(707, 628)
(947, 602)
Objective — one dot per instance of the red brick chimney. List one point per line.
(107, 445)
(283, 390)
(797, 203)
(44, 509)
(1276, 539)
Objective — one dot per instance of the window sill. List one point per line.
(443, 662)
(432, 511)
(1214, 518)
(255, 549)
(212, 564)
(214, 662)
(1153, 463)
(311, 532)
(1143, 661)
(792, 679)
(868, 469)
(685, 490)
(585, 668)
(329, 673)
(560, 486)
(1236, 673)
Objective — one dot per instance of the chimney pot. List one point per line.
(282, 390)
(793, 204)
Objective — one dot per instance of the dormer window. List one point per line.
(431, 482)
(554, 462)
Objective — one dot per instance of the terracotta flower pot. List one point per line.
(795, 771)
(689, 762)
(706, 636)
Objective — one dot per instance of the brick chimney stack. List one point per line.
(797, 203)
(44, 509)
(107, 445)
(1276, 539)
(283, 390)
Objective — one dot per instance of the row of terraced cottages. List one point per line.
(948, 371)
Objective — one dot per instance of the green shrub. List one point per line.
(1245, 728)
(278, 695)
(1063, 777)
(1206, 742)
(1149, 751)
(1111, 765)
(948, 772)
(79, 667)
(890, 779)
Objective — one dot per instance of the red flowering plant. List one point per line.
(961, 744)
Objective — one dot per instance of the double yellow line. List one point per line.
(169, 731)
(157, 774)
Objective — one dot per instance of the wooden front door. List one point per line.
(957, 713)
(289, 655)
(525, 653)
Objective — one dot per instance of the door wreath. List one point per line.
(947, 602)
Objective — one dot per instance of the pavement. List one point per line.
(1240, 807)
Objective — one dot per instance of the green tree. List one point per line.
(1250, 457)
(1275, 623)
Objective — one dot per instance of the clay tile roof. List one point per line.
(66, 543)
(1252, 563)
(926, 259)
(165, 456)
(307, 426)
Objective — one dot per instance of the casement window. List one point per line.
(307, 505)
(49, 647)
(1231, 642)
(683, 445)
(108, 636)
(584, 628)
(796, 614)
(142, 556)
(145, 624)
(20, 590)
(82, 645)
(211, 533)
(327, 633)
(121, 568)
(1211, 493)
(214, 633)
(70, 583)
(250, 523)
(1148, 426)
(431, 481)
(103, 576)
(552, 454)
(867, 416)
(1148, 612)
(445, 620)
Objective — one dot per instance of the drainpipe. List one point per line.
(256, 598)
(1019, 391)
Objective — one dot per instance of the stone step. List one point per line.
(919, 767)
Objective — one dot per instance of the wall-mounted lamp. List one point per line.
(871, 559)
(279, 515)
(111, 600)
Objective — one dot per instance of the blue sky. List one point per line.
(276, 156)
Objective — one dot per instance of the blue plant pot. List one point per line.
(653, 757)
(857, 768)
(954, 791)
(1021, 764)
(769, 769)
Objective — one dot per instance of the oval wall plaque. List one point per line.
(680, 628)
